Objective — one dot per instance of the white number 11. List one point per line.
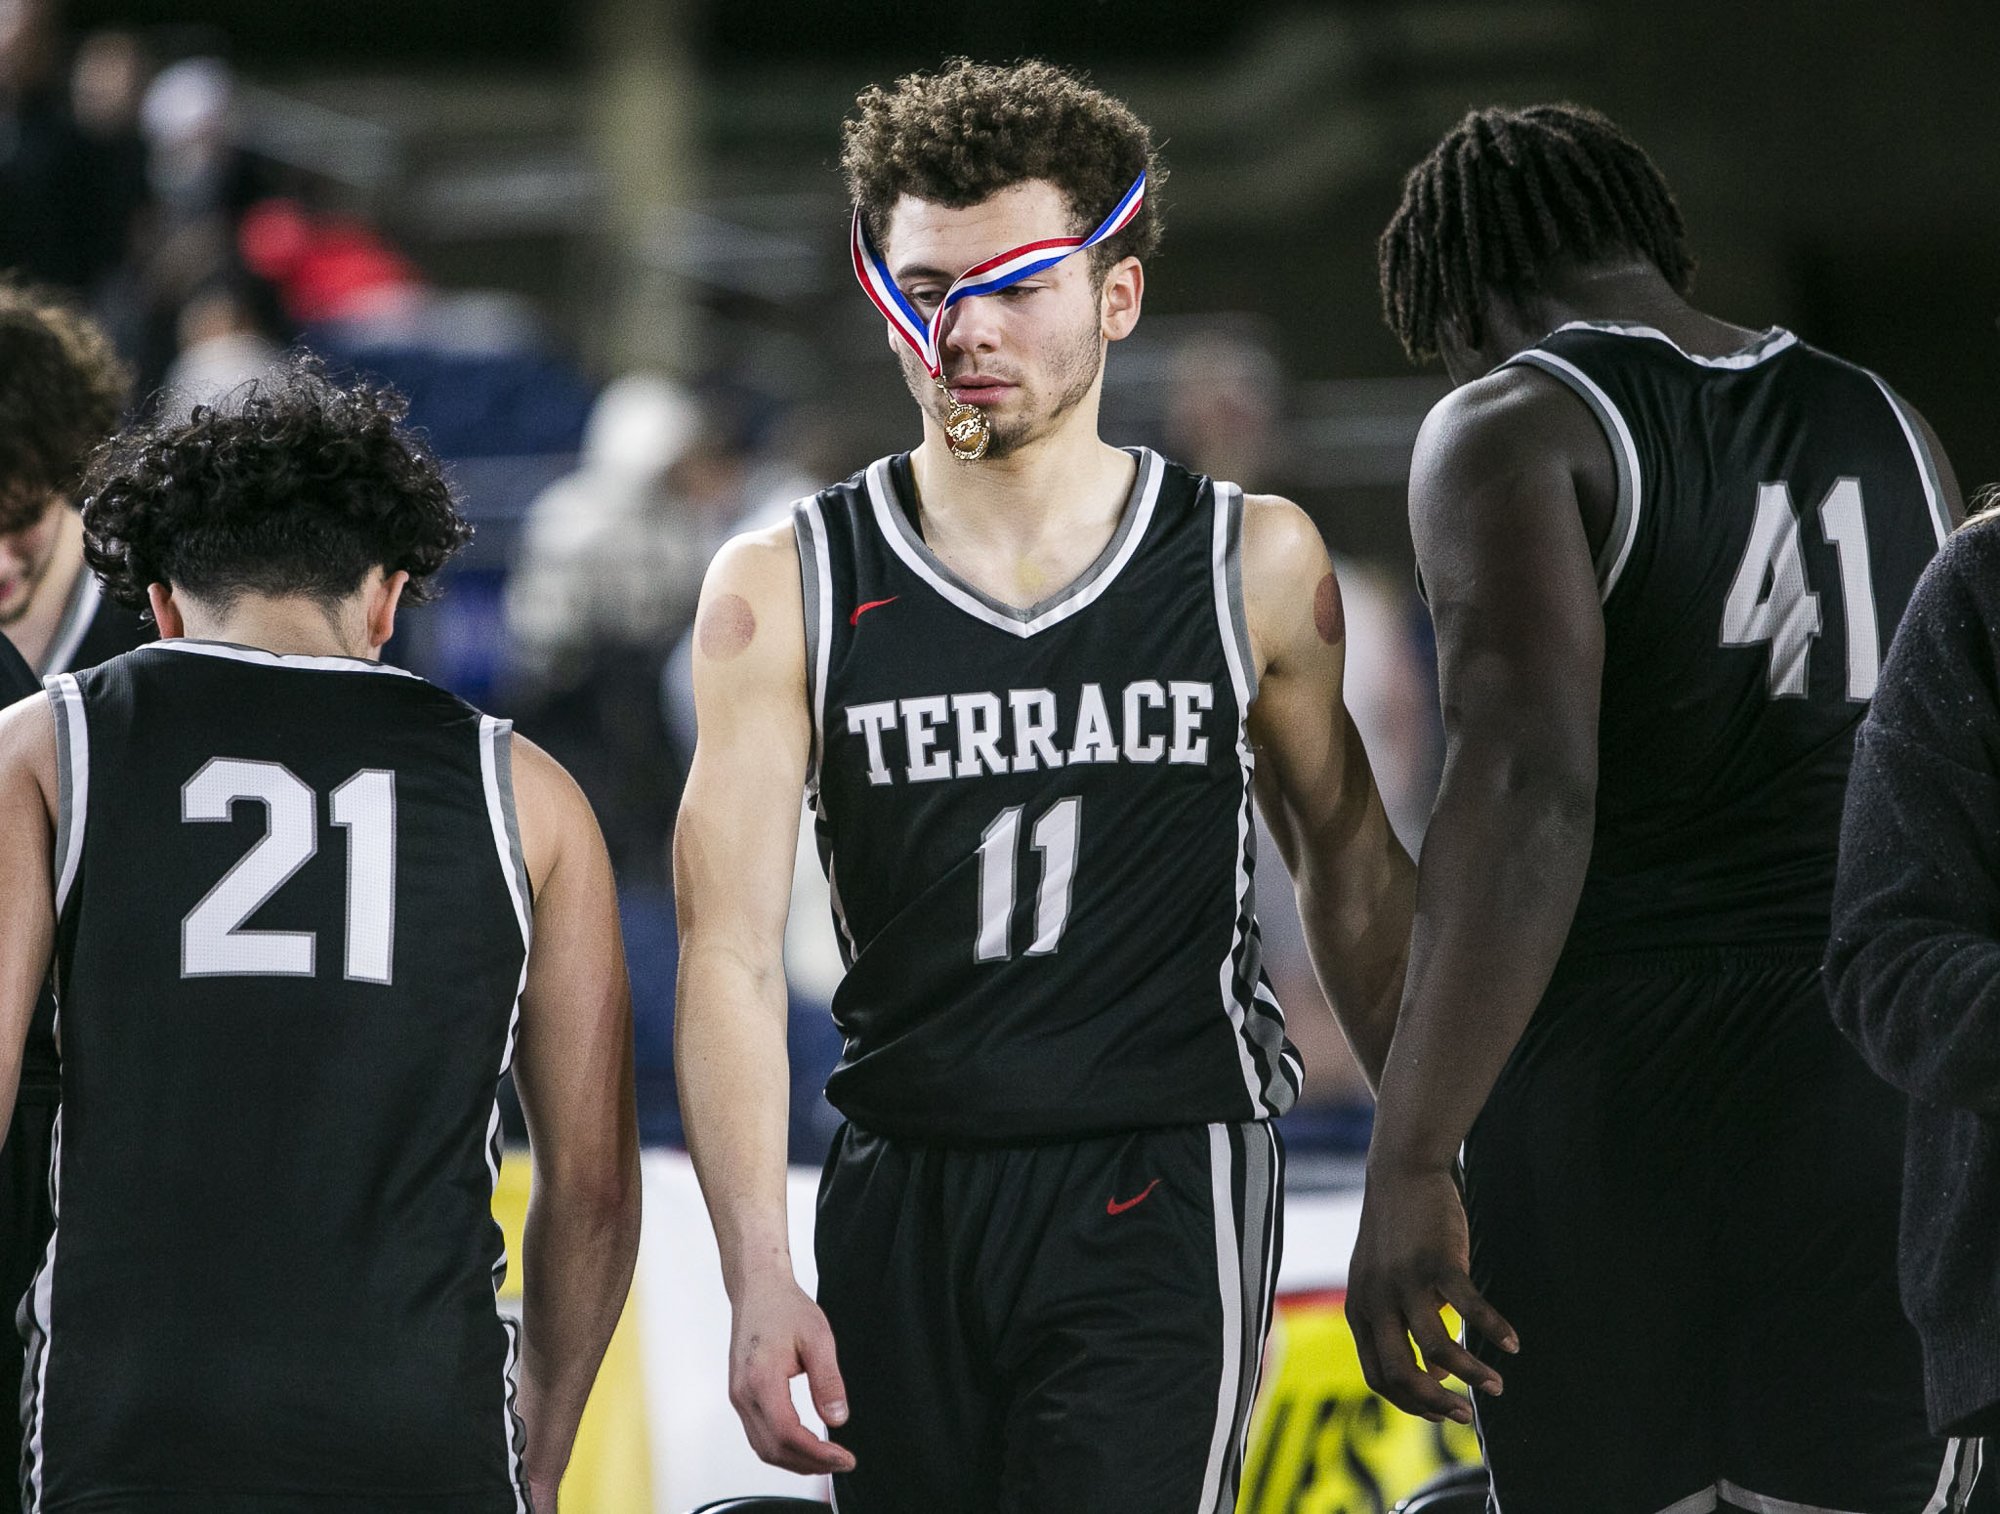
(1055, 837)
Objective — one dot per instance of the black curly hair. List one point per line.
(62, 390)
(299, 485)
(969, 130)
(1506, 196)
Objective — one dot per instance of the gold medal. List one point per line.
(966, 428)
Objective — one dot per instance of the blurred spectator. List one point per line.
(62, 389)
(44, 194)
(108, 79)
(1224, 412)
(222, 346)
(611, 555)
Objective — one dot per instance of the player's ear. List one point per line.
(385, 593)
(1118, 300)
(166, 614)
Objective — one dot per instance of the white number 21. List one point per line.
(213, 940)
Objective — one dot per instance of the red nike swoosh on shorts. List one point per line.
(1113, 1206)
(873, 604)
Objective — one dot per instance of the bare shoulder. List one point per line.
(1510, 415)
(28, 740)
(1289, 588)
(752, 607)
(550, 806)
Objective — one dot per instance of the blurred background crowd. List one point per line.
(600, 245)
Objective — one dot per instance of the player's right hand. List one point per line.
(778, 1333)
(1410, 1261)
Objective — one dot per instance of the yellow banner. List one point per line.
(1320, 1441)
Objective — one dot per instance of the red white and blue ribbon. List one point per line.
(989, 277)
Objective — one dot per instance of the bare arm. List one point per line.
(1497, 521)
(734, 847)
(573, 1069)
(1355, 882)
(28, 788)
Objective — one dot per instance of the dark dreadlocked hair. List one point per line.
(1506, 195)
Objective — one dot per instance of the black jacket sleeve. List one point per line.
(1913, 968)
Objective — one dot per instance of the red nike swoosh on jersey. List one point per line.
(873, 604)
(1112, 1206)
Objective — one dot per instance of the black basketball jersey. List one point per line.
(1036, 825)
(1775, 510)
(93, 629)
(292, 918)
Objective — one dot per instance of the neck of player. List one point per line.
(290, 625)
(1023, 525)
(1636, 293)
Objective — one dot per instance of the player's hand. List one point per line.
(778, 1333)
(1410, 1260)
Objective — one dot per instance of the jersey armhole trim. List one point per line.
(496, 772)
(1624, 532)
(1232, 619)
(73, 780)
(1927, 468)
(816, 583)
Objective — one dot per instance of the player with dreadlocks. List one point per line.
(1664, 554)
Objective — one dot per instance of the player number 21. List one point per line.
(1770, 601)
(213, 940)
(1055, 837)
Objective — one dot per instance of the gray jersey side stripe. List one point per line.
(816, 583)
(1229, 499)
(1927, 469)
(73, 780)
(1611, 557)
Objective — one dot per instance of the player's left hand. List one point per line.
(1412, 1258)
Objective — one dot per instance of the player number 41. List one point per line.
(1770, 600)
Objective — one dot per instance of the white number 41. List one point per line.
(1770, 601)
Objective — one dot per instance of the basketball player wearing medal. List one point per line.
(1029, 694)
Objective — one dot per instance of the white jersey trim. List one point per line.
(1618, 543)
(816, 583)
(1926, 464)
(1229, 1285)
(1245, 1266)
(1768, 344)
(496, 772)
(231, 652)
(35, 1401)
(1954, 1486)
(1227, 538)
(73, 780)
(1016, 621)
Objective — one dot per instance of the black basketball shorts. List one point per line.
(1683, 1194)
(1075, 1326)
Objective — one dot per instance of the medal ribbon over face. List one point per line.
(966, 426)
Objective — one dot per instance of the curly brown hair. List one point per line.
(299, 486)
(969, 130)
(62, 391)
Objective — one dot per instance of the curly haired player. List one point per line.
(1023, 692)
(294, 897)
(1664, 555)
